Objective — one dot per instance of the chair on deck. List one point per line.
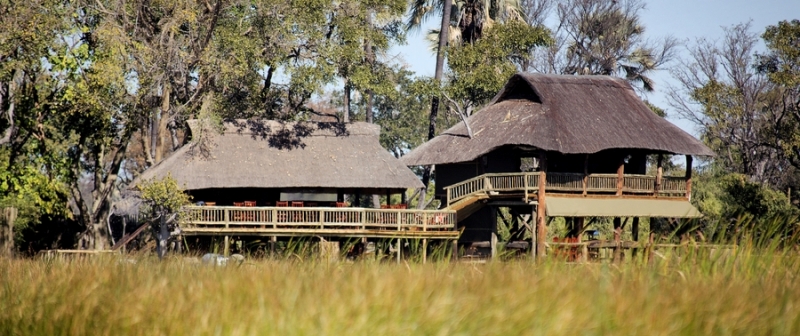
(297, 216)
(340, 217)
(250, 215)
(236, 215)
(282, 215)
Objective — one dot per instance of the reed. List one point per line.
(688, 291)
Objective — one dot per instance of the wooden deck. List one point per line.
(527, 184)
(318, 222)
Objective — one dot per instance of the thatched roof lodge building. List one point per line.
(263, 178)
(269, 161)
(583, 141)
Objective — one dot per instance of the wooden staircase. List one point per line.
(468, 205)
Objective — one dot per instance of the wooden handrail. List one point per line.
(318, 218)
(566, 182)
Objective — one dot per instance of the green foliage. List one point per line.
(480, 69)
(720, 195)
(163, 196)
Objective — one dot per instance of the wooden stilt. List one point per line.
(585, 174)
(493, 238)
(659, 174)
(399, 251)
(424, 250)
(454, 247)
(226, 250)
(620, 176)
(580, 223)
(689, 177)
(635, 234)
(541, 234)
(617, 239)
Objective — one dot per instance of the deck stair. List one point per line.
(468, 205)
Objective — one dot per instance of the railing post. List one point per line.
(274, 218)
(689, 177)
(620, 176)
(659, 174)
(448, 196)
(322, 219)
(585, 174)
(226, 215)
(541, 225)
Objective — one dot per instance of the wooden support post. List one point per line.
(579, 224)
(226, 250)
(7, 218)
(424, 250)
(635, 234)
(617, 239)
(689, 177)
(541, 225)
(659, 173)
(454, 247)
(493, 244)
(398, 250)
(493, 237)
(585, 174)
(620, 176)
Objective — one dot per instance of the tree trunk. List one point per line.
(7, 218)
(346, 114)
(163, 121)
(163, 236)
(370, 114)
(444, 30)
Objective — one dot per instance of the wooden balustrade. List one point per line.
(317, 218)
(566, 183)
(602, 183)
(639, 184)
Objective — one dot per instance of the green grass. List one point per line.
(691, 293)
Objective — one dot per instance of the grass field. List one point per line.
(746, 292)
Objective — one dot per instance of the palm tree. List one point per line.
(468, 18)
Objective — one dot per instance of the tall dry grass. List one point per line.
(689, 292)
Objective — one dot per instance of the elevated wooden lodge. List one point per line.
(546, 146)
(560, 146)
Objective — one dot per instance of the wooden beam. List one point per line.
(689, 177)
(541, 234)
(585, 174)
(617, 238)
(424, 251)
(659, 173)
(635, 233)
(620, 176)
(227, 245)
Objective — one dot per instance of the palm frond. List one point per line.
(419, 11)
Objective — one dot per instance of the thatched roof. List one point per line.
(271, 154)
(565, 114)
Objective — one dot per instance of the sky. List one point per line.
(685, 20)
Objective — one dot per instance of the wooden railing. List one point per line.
(317, 218)
(565, 182)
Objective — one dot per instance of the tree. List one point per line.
(479, 70)
(164, 199)
(781, 64)
(732, 103)
(602, 37)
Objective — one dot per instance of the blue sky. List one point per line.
(683, 19)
